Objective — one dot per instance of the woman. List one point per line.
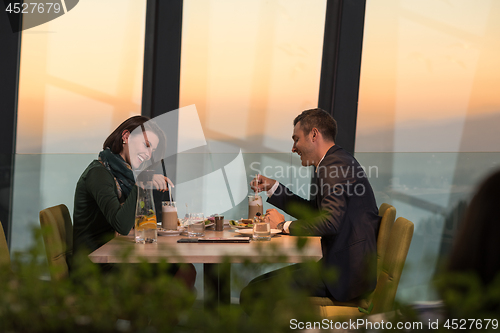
(477, 246)
(470, 287)
(106, 195)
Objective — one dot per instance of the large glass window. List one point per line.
(249, 67)
(81, 76)
(429, 111)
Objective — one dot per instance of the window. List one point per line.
(79, 79)
(429, 113)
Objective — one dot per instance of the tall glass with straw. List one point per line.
(254, 204)
(168, 208)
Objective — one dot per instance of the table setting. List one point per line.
(255, 227)
(211, 241)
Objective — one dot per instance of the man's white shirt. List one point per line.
(271, 191)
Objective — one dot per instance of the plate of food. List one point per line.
(249, 232)
(210, 221)
(165, 232)
(241, 224)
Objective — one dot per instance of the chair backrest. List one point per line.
(57, 231)
(392, 265)
(4, 248)
(388, 214)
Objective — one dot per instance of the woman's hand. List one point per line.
(161, 182)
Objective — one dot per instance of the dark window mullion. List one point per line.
(9, 88)
(340, 69)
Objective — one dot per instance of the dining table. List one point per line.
(215, 257)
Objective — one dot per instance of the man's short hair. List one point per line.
(320, 119)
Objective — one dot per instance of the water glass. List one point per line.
(196, 225)
(261, 231)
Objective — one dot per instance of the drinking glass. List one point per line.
(169, 215)
(145, 216)
(254, 205)
(219, 222)
(261, 231)
(196, 225)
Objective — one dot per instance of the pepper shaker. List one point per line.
(219, 222)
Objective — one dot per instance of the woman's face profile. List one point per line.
(140, 150)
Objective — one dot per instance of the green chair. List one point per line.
(392, 265)
(388, 214)
(4, 249)
(57, 231)
(388, 280)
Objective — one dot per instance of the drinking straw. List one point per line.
(163, 167)
(168, 184)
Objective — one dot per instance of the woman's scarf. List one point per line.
(121, 171)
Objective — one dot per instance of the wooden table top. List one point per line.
(281, 248)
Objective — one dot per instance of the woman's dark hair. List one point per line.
(115, 142)
(320, 119)
(477, 245)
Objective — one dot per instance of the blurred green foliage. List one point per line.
(139, 297)
(465, 295)
(143, 297)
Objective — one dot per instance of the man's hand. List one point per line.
(161, 182)
(274, 218)
(261, 183)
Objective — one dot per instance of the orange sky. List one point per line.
(81, 76)
(430, 65)
(251, 67)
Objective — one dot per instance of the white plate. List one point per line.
(165, 232)
(249, 232)
(209, 225)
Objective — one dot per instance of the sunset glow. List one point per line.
(251, 67)
(81, 76)
(428, 68)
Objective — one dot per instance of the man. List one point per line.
(347, 218)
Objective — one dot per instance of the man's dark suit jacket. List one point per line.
(348, 225)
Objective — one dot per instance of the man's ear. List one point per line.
(314, 134)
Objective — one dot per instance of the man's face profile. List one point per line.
(302, 145)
